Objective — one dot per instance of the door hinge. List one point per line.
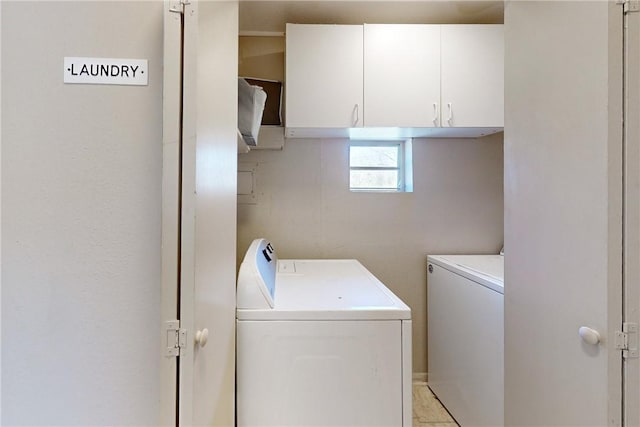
(177, 6)
(627, 340)
(629, 5)
(176, 338)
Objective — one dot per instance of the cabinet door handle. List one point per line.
(435, 114)
(450, 119)
(356, 110)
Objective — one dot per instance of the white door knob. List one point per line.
(588, 335)
(202, 337)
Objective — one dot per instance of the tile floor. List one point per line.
(427, 410)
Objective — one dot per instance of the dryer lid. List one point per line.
(340, 289)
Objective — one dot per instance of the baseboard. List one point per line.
(419, 377)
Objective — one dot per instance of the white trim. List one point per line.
(404, 161)
(261, 33)
(420, 377)
(188, 209)
(170, 207)
(0, 212)
(631, 215)
(407, 369)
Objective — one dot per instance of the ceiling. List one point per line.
(271, 16)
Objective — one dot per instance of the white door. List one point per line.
(401, 75)
(632, 213)
(324, 76)
(206, 242)
(563, 212)
(472, 75)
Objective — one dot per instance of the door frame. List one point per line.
(171, 209)
(186, 289)
(631, 222)
(615, 289)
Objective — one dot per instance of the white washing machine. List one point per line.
(465, 300)
(319, 343)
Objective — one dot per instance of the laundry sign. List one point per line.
(106, 71)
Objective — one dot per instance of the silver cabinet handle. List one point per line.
(356, 109)
(435, 114)
(450, 119)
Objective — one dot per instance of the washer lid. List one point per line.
(487, 270)
(328, 290)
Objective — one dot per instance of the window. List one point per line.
(380, 166)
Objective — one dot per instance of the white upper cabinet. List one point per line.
(472, 67)
(416, 80)
(401, 75)
(324, 76)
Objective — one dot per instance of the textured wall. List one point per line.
(304, 206)
(81, 203)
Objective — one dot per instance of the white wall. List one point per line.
(81, 203)
(304, 206)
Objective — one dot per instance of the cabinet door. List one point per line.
(402, 75)
(472, 75)
(324, 76)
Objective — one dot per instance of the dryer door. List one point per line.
(320, 373)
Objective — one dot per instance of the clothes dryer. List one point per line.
(319, 343)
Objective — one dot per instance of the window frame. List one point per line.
(401, 145)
